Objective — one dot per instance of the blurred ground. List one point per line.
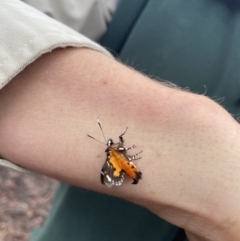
(25, 199)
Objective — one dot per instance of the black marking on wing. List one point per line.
(138, 176)
(107, 175)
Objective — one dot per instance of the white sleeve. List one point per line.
(26, 34)
(89, 17)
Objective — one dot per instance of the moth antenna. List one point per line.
(96, 139)
(98, 121)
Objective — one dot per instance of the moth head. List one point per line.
(110, 142)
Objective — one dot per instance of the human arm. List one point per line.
(143, 106)
(191, 145)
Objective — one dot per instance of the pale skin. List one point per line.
(191, 145)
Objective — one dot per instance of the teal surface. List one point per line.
(194, 44)
(83, 215)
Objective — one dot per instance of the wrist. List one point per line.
(199, 168)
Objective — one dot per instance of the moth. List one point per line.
(118, 162)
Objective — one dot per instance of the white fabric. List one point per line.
(26, 34)
(89, 17)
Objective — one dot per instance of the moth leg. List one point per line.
(121, 136)
(122, 148)
(134, 157)
(128, 148)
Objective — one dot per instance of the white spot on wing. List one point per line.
(108, 178)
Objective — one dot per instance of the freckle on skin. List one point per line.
(104, 82)
(98, 156)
